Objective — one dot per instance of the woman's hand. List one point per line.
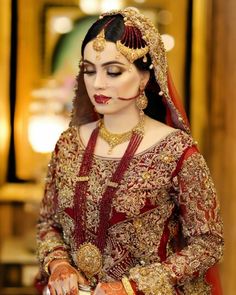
(113, 288)
(64, 279)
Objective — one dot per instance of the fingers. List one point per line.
(73, 286)
(81, 279)
(51, 290)
(68, 286)
(63, 281)
(59, 288)
(111, 288)
(99, 290)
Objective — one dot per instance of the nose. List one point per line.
(99, 82)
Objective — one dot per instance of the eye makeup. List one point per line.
(112, 70)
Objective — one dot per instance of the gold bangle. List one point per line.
(127, 286)
(51, 259)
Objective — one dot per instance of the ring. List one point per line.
(85, 288)
(64, 291)
(46, 291)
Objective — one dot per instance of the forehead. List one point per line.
(110, 52)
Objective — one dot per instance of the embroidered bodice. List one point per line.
(165, 212)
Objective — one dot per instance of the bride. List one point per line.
(129, 205)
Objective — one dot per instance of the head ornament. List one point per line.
(147, 41)
(157, 53)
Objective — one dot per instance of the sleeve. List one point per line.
(50, 244)
(201, 226)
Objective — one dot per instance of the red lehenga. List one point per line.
(164, 214)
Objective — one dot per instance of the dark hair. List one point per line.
(113, 32)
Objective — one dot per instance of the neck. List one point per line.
(121, 122)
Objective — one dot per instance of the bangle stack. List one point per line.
(50, 259)
(127, 286)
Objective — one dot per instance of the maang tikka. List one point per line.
(99, 42)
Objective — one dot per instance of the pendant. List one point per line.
(89, 259)
(110, 150)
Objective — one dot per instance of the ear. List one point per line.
(145, 75)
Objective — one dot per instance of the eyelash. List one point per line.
(114, 74)
(90, 73)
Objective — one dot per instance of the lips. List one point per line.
(102, 99)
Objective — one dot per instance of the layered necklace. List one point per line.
(89, 255)
(114, 139)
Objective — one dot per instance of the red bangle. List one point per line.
(135, 288)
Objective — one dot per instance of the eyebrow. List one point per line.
(106, 63)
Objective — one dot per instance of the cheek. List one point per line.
(127, 85)
(88, 84)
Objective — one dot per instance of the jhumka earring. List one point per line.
(142, 102)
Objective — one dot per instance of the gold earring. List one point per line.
(142, 102)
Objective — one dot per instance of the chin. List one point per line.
(101, 109)
(105, 110)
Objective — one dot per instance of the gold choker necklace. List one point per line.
(114, 139)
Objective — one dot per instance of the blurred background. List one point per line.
(39, 54)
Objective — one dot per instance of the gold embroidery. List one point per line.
(146, 199)
(152, 280)
(200, 219)
(196, 287)
(83, 178)
(112, 184)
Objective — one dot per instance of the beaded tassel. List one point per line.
(113, 184)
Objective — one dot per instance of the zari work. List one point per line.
(164, 220)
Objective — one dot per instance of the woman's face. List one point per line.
(111, 77)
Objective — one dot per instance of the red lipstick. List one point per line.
(102, 99)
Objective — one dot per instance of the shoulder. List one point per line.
(71, 141)
(157, 133)
(67, 140)
(85, 131)
(88, 128)
(67, 134)
(154, 126)
(169, 143)
(72, 132)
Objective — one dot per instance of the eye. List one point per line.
(88, 70)
(114, 71)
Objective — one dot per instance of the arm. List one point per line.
(50, 242)
(53, 252)
(201, 226)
